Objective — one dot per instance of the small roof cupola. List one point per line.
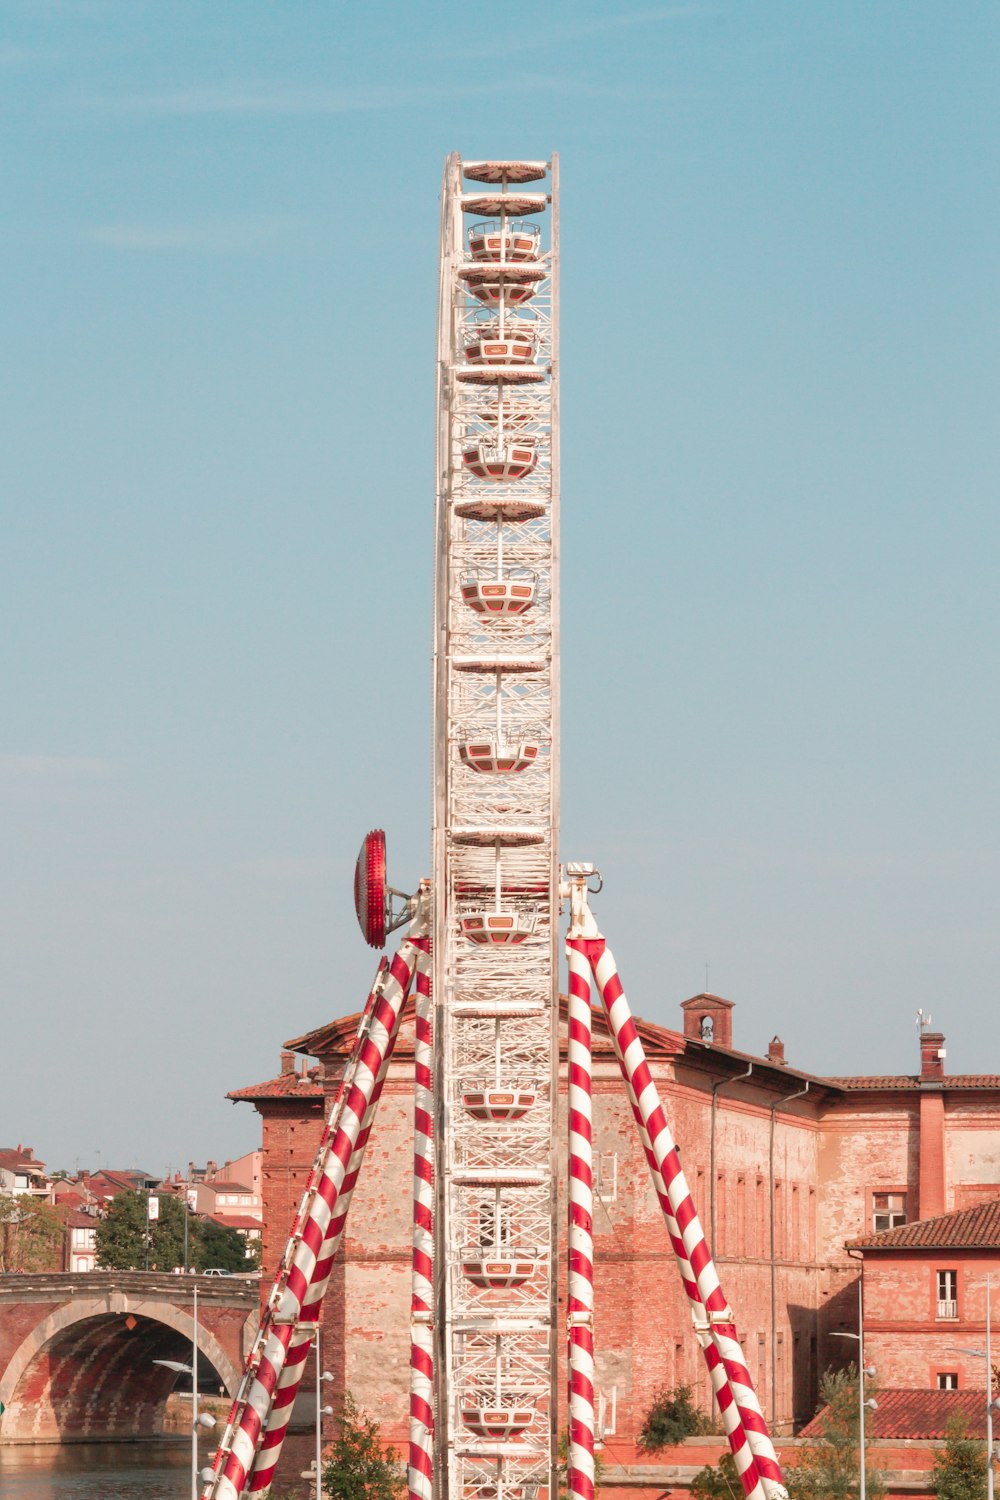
(709, 1018)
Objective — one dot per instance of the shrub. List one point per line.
(672, 1416)
(960, 1470)
(828, 1468)
(718, 1482)
(358, 1467)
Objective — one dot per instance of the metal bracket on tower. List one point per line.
(575, 887)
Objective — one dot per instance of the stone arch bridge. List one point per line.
(77, 1350)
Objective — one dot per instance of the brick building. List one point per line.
(786, 1168)
(925, 1298)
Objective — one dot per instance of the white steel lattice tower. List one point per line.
(495, 876)
(482, 957)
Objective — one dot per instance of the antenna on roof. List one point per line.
(923, 1021)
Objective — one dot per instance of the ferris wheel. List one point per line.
(482, 957)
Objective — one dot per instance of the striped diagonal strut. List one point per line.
(733, 1427)
(248, 1455)
(721, 1340)
(420, 1468)
(581, 1231)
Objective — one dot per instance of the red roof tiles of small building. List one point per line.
(20, 1159)
(964, 1228)
(912, 1081)
(285, 1086)
(916, 1414)
(75, 1218)
(236, 1221)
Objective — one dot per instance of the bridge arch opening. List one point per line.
(87, 1374)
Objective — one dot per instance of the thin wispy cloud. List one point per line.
(583, 29)
(218, 238)
(296, 99)
(17, 57)
(14, 768)
(289, 868)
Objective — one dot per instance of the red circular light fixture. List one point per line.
(370, 888)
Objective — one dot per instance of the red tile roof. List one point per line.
(225, 1185)
(285, 1086)
(77, 1219)
(916, 1414)
(965, 1228)
(912, 1081)
(16, 1159)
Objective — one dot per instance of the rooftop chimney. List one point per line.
(287, 1062)
(776, 1051)
(932, 1054)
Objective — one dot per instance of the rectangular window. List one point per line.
(947, 1380)
(947, 1294)
(888, 1211)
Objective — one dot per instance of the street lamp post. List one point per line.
(321, 1412)
(991, 1401)
(871, 1404)
(198, 1422)
(194, 1398)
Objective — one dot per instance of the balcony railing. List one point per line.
(947, 1308)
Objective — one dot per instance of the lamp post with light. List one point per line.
(992, 1402)
(871, 1404)
(205, 1421)
(321, 1411)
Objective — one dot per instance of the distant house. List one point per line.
(20, 1173)
(81, 1248)
(234, 1204)
(105, 1184)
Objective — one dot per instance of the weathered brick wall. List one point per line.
(866, 1146)
(831, 1153)
(972, 1153)
(289, 1137)
(643, 1324)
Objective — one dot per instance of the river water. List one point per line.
(108, 1471)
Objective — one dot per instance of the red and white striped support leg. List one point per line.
(740, 1448)
(720, 1329)
(581, 1231)
(420, 1468)
(251, 1447)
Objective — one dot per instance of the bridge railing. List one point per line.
(163, 1284)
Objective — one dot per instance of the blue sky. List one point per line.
(781, 246)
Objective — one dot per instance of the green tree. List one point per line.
(359, 1467)
(672, 1416)
(31, 1234)
(218, 1245)
(960, 1470)
(827, 1469)
(122, 1233)
(719, 1481)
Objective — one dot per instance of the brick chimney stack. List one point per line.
(776, 1051)
(932, 1185)
(932, 1054)
(287, 1063)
